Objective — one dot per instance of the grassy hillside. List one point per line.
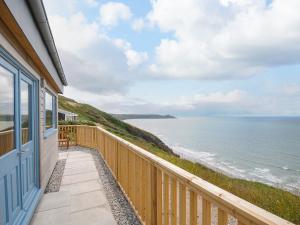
(277, 201)
(89, 115)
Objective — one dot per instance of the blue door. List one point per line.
(27, 153)
(18, 159)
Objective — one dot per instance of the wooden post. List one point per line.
(193, 208)
(151, 215)
(159, 197)
(182, 204)
(222, 217)
(131, 174)
(174, 201)
(138, 185)
(143, 190)
(206, 212)
(166, 199)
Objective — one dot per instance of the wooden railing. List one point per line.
(162, 193)
(7, 140)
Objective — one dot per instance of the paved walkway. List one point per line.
(81, 199)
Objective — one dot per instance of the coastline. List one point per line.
(189, 156)
(282, 175)
(276, 200)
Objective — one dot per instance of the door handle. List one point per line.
(24, 151)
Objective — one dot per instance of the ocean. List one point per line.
(264, 149)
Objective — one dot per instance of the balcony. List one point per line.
(158, 191)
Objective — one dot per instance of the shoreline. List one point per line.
(239, 173)
(284, 187)
(275, 200)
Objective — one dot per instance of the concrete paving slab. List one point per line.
(63, 155)
(77, 154)
(80, 166)
(95, 216)
(57, 216)
(79, 159)
(88, 200)
(71, 171)
(72, 179)
(54, 200)
(82, 187)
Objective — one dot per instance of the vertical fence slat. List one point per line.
(174, 201)
(159, 197)
(193, 208)
(148, 211)
(206, 212)
(222, 217)
(131, 177)
(166, 199)
(240, 223)
(153, 195)
(143, 189)
(182, 204)
(138, 184)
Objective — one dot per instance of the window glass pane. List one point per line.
(26, 112)
(7, 126)
(49, 110)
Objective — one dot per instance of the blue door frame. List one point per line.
(15, 209)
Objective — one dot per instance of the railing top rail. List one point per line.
(234, 205)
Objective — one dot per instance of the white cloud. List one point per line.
(138, 24)
(113, 12)
(91, 3)
(230, 38)
(291, 89)
(74, 33)
(134, 58)
(105, 65)
(231, 97)
(233, 102)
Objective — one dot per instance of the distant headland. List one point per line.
(142, 116)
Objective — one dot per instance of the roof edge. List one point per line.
(40, 17)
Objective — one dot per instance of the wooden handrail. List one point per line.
(162, 193)
(7, 140)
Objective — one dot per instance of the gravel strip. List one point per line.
(56, 176)
(121, 208)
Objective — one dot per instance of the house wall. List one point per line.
(70, 118)
(48, 147)
(23, 16)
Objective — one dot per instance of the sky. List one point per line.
(186, 58)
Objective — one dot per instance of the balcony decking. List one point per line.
(81, 199)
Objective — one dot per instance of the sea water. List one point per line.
(264, 149)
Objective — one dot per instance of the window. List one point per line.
(7, 112)
(50, 111)
(26, 114)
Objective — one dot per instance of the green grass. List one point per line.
(277, 201)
